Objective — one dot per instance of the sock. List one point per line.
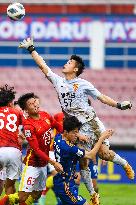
(119, 160)
(29, 200)
(4, 200)
(13, 198)
(49, 182)
(86, 176)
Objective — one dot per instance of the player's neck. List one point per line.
(34, 116)
(70, 76)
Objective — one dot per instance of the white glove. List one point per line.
(124, 105)
(26, 43)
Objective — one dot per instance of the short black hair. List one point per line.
(7, 95)
(71, 123)
(79, 63)
(24, 98)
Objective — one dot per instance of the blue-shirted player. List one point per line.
(67, 154)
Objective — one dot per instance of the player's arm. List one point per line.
(105, 135)
(29, 45)
(33, 143)
(109, 101)
(82, 138)
(95, 94)
(58, 126)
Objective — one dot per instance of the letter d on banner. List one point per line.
(97, 46)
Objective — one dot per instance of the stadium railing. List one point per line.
(116, 54)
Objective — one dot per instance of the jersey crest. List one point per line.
(75, 86)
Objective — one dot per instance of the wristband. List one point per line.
(31, 49)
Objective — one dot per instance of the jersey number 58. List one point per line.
(11, 122)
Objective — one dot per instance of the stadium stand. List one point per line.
(120, 85)
(75, 6)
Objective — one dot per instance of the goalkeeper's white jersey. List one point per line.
(73, 96)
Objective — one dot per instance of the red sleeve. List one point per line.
(33, 143)
(57, 125)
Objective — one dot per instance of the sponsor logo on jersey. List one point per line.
(28, 133)
(48, 121)
(75, 86)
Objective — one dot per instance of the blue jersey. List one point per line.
(64, 186)
(68, 155)
(94, 168)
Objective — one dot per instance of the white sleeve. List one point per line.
(92, 91)
(53, 77)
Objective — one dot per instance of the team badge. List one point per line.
(28, 133)
(80, 153)
(75, 86)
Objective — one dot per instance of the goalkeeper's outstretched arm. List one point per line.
(29, 45)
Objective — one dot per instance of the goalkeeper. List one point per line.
(73, 93)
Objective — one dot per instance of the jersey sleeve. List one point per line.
(33, 143)
(58, 126)
(53, 78)
(73, 151)
(91, 90)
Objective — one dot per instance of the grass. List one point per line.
(111, 194)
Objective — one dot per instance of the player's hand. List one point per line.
(106, 134)
(26, 43)
(83, 138)
(124, 105)
(58, 167)
(21, 138)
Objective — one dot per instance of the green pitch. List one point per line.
(111, 194)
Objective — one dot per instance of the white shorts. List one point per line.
(33, 178)
(11, 160)
(93, 130)
(50, 166)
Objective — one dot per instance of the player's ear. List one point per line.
(75, 69)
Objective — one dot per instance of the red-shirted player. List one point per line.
(52, 172)
(10, 154)
(37, 129)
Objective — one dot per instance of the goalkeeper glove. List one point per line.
(124, 105)
(28, 44)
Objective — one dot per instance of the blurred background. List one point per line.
(103, 33)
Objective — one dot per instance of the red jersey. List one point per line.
(59, 118)
(38, 135)
(10, 119)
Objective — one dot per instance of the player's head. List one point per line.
(29, 103)
(74, 65)
(7, 95)
(71, 126)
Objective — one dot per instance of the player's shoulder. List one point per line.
(81, 81)
(10, 110)
(44, 114)
(59, 116)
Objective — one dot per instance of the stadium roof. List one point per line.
(68, 2)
